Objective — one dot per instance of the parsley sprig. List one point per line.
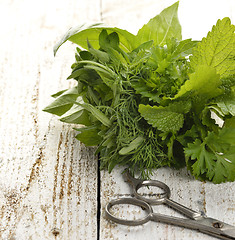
(146, 100)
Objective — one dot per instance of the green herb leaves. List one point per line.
(204, 81)
(148, 100)
(215, 156)
(162, 27)
(217, 49)
(159, 29)
(166, 119)
(80, 34)
(63, 102)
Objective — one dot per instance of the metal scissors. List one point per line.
(196, 220)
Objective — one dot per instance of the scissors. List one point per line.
(196, 220)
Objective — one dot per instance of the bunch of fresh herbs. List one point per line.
(146, 100)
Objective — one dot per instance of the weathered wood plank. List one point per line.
(48, 180)
(214, 200)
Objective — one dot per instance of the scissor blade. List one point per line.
(206, 225)
(229, 232)
(218, 229)
(219, 236)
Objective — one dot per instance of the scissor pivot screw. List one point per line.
(217, 224)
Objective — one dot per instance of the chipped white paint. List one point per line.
(48, 180)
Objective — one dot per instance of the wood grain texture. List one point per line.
(48, 180)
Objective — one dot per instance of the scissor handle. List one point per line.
(161, 197)
(131, 201)
(138, 183)
(206, 225)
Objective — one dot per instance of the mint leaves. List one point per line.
(204, 81)
(217, 49)
(148, 100)
(166, 119)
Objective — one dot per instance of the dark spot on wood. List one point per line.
(55, 231)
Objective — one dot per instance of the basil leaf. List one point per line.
(89, 136)
(55, 95)
(78, 73)
(144, 46)
(162, 27)
(63, 102)
(76, 115)
(80, 34)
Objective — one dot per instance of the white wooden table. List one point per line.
(50, 187)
